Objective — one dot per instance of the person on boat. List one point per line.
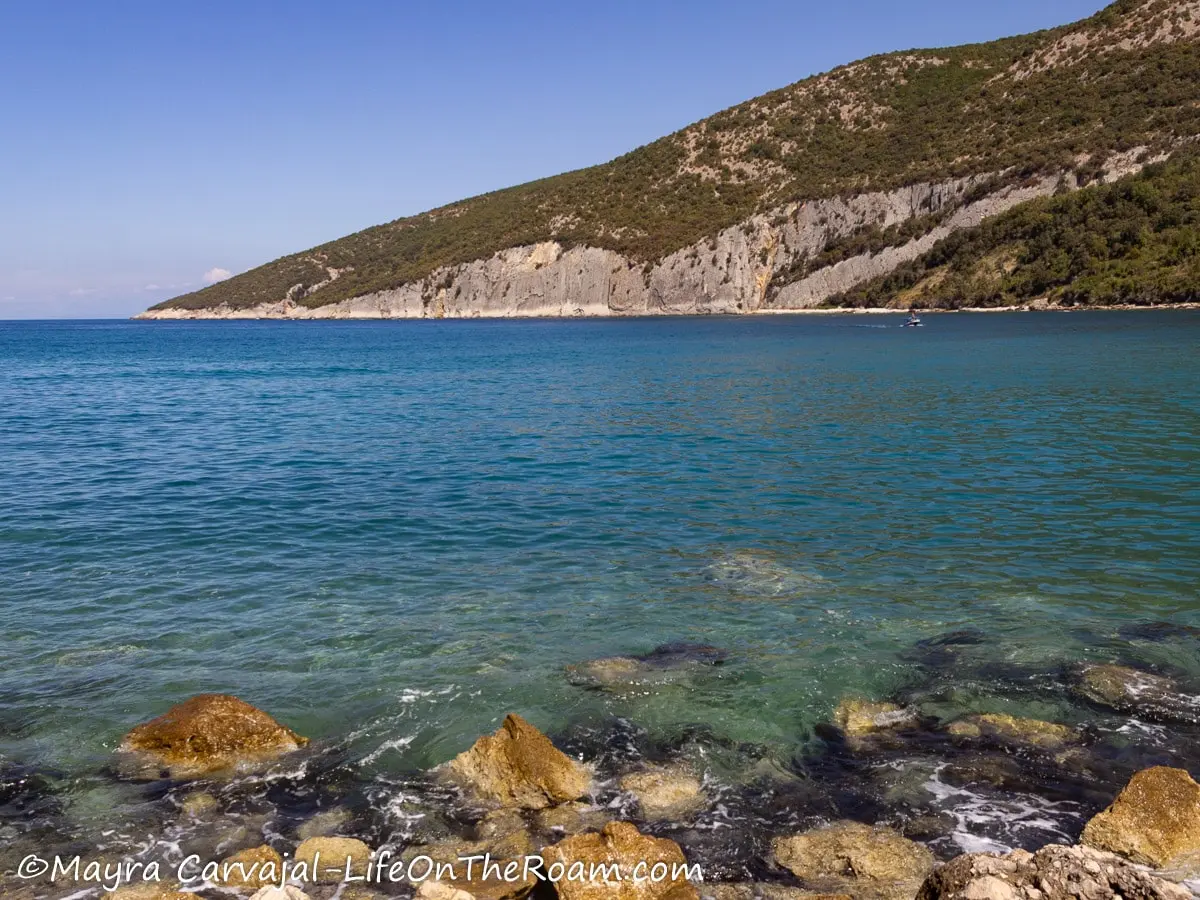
(913, 318)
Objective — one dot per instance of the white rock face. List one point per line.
(743, 269)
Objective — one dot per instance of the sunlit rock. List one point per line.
(519, 766)
(208, 734)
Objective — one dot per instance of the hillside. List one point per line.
(1133, 242)
(782, 201)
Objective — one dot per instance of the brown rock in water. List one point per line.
(1053, 873)
(1035, 732)
(1154, 821)
(518, 766)
(251, 868)
(849, 857)
(326, 858)
(856, 717)
(664, 792)
(207, 734)
(620, 844)
(1132, 691)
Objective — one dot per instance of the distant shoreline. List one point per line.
(234, 315)
(879, 311)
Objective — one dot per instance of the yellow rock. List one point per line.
(252, 868)
(327, 858)
(208, 734)
(1154, 821)
(664, 793)
(849, 857)
(857, 717)
(518, 766)
(620, 844)
(1029, 731)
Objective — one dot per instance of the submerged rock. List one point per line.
(331, 859)
(621, 844)
(199, 805)
(1034, 732)
(324, 824)
(1053, 873)
(208, 734)
(857, 717)
(519, 766)
(1134, 692)
(749, 573)
(1157, 631)
(849, 857)
(661, 665)
(677, 653)
(1154, 821)
(608, 671)
(664, 792)
(963, 637)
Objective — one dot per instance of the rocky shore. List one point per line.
(271, 815)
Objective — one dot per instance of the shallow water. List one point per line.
(390, 534)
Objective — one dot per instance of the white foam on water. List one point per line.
(399, 743)
(1141, 729)
(985, 823)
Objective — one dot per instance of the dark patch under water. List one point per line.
(678, 653)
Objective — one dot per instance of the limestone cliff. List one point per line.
(747, 268)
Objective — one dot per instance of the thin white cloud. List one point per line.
(80, 292)
(212, 276)
(152, 287)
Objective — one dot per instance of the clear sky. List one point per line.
(147, 145)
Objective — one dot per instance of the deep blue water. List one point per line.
(390, 534)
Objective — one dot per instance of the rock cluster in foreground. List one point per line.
(532, 787)
(1053, 873)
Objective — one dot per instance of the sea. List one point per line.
(389, 535)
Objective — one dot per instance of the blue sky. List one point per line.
(144, 144)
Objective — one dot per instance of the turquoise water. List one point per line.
(390, 534)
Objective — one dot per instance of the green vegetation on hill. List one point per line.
(1122, 78)
(1135, 241)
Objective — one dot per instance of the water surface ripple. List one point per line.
(390, 534)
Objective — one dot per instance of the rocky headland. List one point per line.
(824, 188)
